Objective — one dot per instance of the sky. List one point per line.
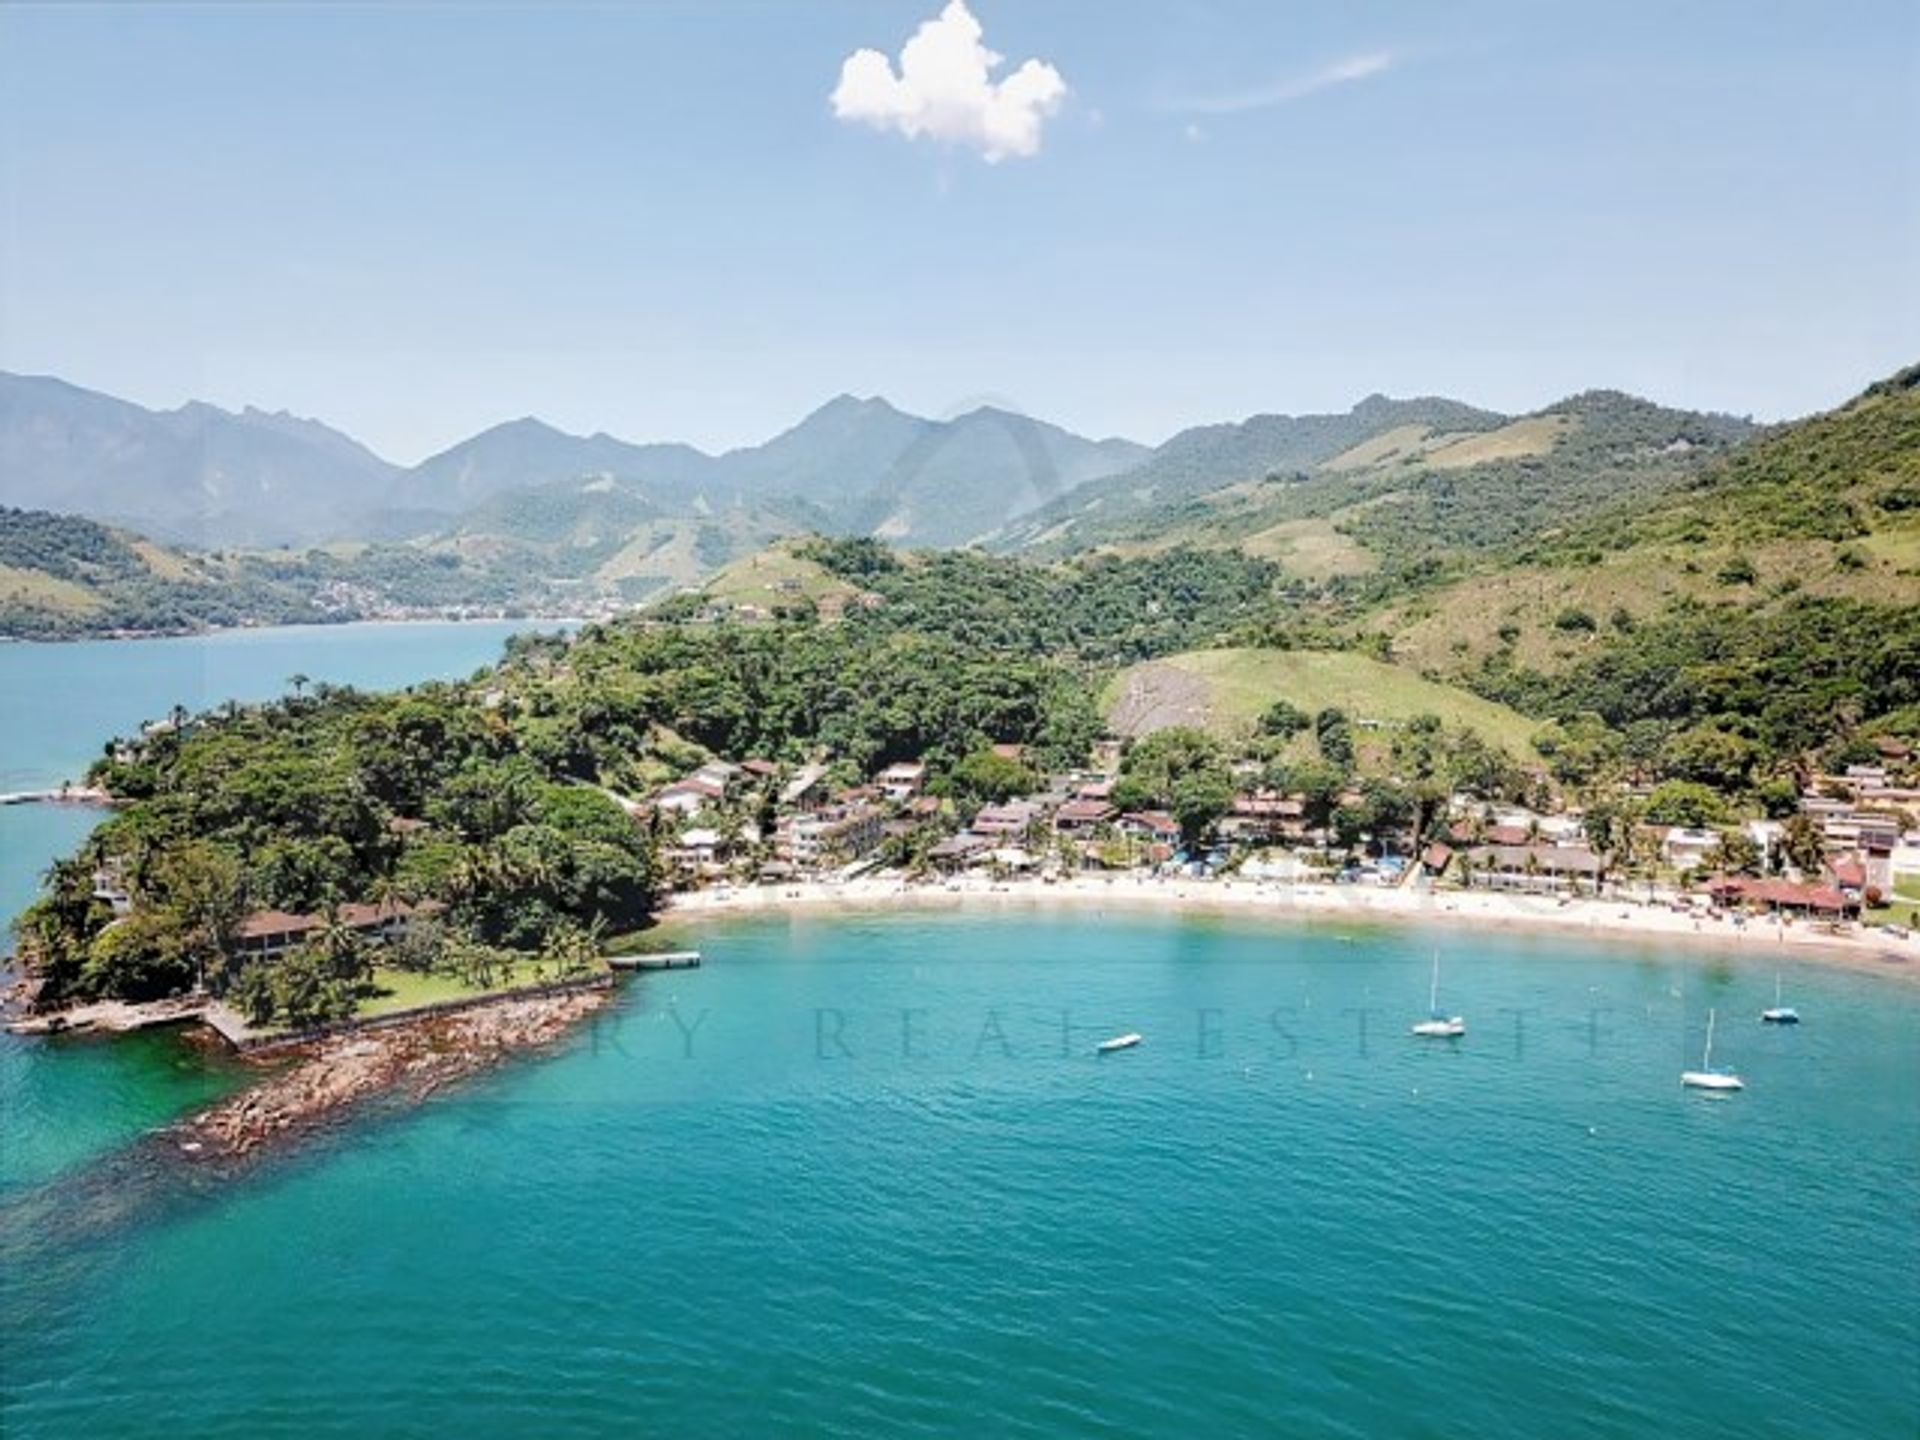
(700, 220)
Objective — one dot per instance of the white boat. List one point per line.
(1438, 1026)
(1776, 1013)
(1118, 1042)
(1706, 1077)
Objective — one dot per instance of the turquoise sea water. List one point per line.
(867, 1177)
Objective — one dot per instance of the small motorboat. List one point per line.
(1706, 1077)
(1118, 1042)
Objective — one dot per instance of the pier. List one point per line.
(58, 795)
(658, 960)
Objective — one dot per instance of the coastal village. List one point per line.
(731, 827)
(756, 823)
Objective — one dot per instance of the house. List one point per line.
(1538, 868)
(803, 784)
(110, 885)
(1010, 819)
(1766, 836)
(957, 852)
(1152, 826)
(832, 833)
(1079, 816)
(268, 933)
(1264, 816)
(1688, 849)
(718, 772)
(1436, 857)
(1782, 897)
(759, 769)
(902, 780)
(1848, 874)
(689, 796)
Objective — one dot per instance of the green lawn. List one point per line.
(405, 990)
(1232, 688)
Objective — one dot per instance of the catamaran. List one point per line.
(1776, 1013)
(1118, 1042)
(1436, 1025)
(1706, 1077)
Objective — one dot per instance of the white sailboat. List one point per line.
(1706, 1077)
(1438, 1026)
(1776, 1013)
(1118, 1042)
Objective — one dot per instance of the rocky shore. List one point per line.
(331, 1077)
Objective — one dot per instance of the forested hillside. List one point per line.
(1768, 609)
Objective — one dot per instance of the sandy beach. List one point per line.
(1612, 919)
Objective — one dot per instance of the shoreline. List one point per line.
(193, 632)
(1607, 920)
(405, 1062)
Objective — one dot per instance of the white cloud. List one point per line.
(1340, 72)
(944, 90)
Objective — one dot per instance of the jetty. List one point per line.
(114, 1017)
(657, 960)
(58, 795)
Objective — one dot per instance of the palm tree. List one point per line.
(298, 682)
(339, 944)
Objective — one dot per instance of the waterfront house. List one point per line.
(266, 934)
(1782, 897)
(1264, 816)
(1151, 826)
(1539, 869)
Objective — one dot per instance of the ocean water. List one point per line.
(866, 1176)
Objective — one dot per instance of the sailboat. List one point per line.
(1776, 1013)
(1706, 1077)
(1436, 1025)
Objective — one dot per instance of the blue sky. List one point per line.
(413, 222)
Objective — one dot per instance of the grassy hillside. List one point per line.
(1416, 503)
(777, 576)
(1226, 691)
(1827, 509)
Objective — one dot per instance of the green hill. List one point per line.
(1774, 599)
(1394, 485)
(1226, 691)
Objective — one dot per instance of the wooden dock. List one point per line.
(658, 960)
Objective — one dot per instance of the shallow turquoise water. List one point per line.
(892, 1191)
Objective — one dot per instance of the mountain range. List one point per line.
(526, 515)
(210, 477)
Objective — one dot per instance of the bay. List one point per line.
(866, 1176)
